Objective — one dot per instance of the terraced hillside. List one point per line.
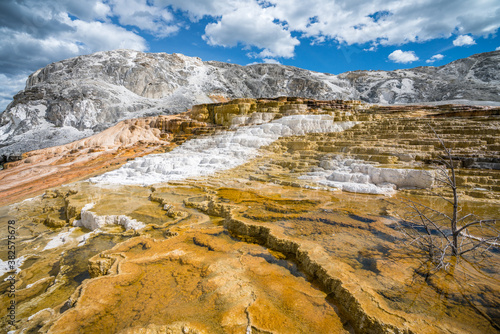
(252, 216)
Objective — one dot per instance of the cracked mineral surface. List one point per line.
(298, 236)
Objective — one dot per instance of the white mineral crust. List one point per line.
(208, 155)
(92, 221)
(361, 177)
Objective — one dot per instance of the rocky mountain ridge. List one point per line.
(78, 97)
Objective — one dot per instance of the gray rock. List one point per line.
(475, 78)
(78, 97)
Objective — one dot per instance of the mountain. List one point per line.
(81, 96)
(476, 78)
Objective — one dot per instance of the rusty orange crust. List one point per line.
(46, 168)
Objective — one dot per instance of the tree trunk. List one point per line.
(454, 229)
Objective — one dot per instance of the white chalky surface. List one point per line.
(208, 155)
(361, 177)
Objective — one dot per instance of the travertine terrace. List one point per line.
(297, 237)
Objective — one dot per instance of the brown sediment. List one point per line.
(316, 266)
(201, 280)
(46, 168)
(311, 259)
(218, 253)
(358, 299)
(387, 135)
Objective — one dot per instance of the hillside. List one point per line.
(78, 97)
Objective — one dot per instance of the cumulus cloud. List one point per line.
(497, 49)
(388, 22)
(197, 9)
(36, 33)
(252, 25)
(464, 40)
(265, 61)
(346, 22)
(403, 57)
(271, 61)
(22, 51)
(273, 27)
(138, 13)
(435, 58)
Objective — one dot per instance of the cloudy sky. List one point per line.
(331, 36)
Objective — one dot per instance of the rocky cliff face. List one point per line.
(78, 97)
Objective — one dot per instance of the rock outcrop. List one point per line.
(92, 221)
(475, 78)
(78, 97)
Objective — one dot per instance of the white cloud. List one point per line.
(273, 26)
(197, 9)
(271, 61)
(85, 10)
(378, 22)
(497, 49)
(265, 61)
(139, 13)
(403, 57)
(36, 33)
(22, 51)
(464, 40)
(93, 36)
(388, 22)
(252, 26)
(435, 58)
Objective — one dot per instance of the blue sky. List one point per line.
(320, 35)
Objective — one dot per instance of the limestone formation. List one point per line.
(81, 96)
(45, 168)
(92, 221)
(294, 232)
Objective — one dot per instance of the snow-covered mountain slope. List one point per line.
(77, 97)
(476, 78)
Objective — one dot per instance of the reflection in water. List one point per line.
(466, 297)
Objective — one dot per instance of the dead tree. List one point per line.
(446, 235)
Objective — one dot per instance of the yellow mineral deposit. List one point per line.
(266, 247)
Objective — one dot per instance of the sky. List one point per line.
(332, 36)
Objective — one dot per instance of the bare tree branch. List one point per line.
(478, 222)
(446, 237)
(482, 242)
